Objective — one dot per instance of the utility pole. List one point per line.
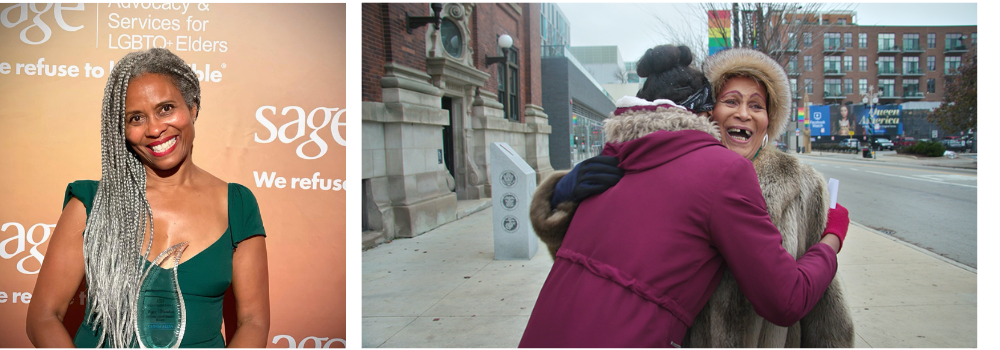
(806, 141)
(736, 24)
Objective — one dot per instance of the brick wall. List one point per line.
(404, 48)
(384, 39)
(533, 54)
(372, 53)
(522, 23)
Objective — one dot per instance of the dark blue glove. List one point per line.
(589, 177)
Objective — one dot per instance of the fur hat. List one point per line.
(751, 63)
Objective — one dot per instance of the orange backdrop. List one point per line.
(273, 99)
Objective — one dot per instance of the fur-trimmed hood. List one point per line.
(635, 118)
(746, 62)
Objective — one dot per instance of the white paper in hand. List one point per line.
(833, 186)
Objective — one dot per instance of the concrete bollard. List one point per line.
(513, 183)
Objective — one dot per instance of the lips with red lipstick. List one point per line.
(163, 147)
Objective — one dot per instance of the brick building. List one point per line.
(431, 107)
(834, 62)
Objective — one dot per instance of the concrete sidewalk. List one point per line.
(443, 289)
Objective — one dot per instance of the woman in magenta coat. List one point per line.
(640, 260)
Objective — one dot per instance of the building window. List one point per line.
(911, 41)
(792, 43)
(831, 40)
(862, 40)
(545, 27)
(809, 86)
(507, 84)
(888, 87)
(863, 63)
(808, 63)
(931, 63)
(951, 64)
(807, 39)
(848, 63)
(841, 22)
(832, 87)
(931, 40)
(886, 65)
(793, 64)
(953, 41)
(831, 64)
(911, 65)
(930, 86)
(973, 38)
(848, 39)
(911, 87)
(886, 41)
(794, 85)
(848, 86)
(862, 86)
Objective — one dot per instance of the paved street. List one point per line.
(931, 207)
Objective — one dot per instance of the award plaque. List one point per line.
(161, 317)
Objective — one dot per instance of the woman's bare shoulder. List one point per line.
(210, 181)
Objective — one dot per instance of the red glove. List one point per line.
(837, 221)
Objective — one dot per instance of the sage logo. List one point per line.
(18, 240)
(37, 25)
(298, 125)
(317, 341)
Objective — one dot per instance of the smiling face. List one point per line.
(159, 126)
(741, 112)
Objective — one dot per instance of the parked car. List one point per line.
(850, 143)
(956, 145)
(884, 144)
(907, 142)
(781, 146)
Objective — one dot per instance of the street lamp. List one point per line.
(871, 99)
(505, 42)
(417, 22)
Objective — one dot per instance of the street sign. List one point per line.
(933, 134)
(796, 132)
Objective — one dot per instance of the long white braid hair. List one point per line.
(112, 240)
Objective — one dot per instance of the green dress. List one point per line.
(203, 278)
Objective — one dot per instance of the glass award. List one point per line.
(160, 315)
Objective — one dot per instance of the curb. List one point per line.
(917, 162)
(483, 204)
(919, 249)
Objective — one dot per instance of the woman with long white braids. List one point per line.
(152, 196)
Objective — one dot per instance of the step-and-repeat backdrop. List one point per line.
(272, 118)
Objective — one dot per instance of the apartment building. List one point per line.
(837, 63)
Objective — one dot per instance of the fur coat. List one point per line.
(797, 202)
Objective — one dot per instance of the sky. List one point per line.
(635, 27)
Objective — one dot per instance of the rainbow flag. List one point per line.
(802, 114)
(719, 31)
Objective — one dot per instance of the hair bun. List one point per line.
(662, 59)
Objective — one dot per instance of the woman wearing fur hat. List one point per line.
(685, 210)
(796, 200)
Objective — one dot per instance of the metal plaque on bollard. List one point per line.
(513, 183)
